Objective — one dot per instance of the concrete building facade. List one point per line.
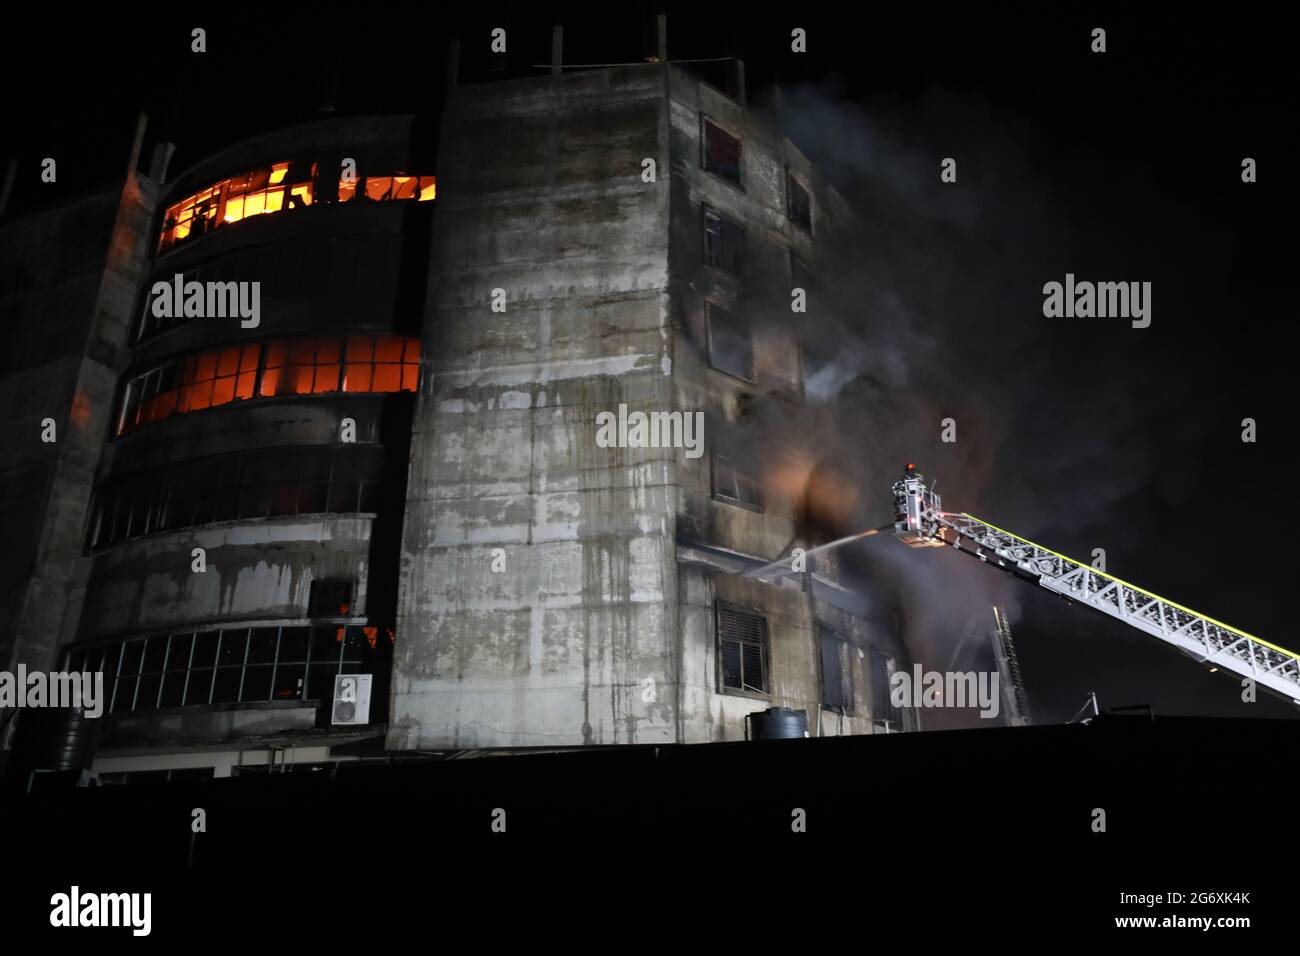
(393, 469)
(555, 592)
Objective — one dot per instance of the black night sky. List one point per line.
(1119, 166)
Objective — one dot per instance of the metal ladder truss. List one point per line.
(1203, 638)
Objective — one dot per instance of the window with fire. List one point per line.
(304, 365)
(279, 187)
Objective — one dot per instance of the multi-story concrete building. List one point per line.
(393, 468)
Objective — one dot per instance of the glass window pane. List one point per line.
(293, 643)
(131, 653)
(326, 643)
(155, 654)
(257, 684)
(223, 391)
(387, 378)
(199, 688)
(146, 697)
(289, 681)
(205, 648)
(261, 645)
(233, 644)
(225, 689)
(388, 348)
(360, 348)
(122, 702)
(178, 658)
(173, 689)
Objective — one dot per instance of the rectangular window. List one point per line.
(800, 203)
(837, 672)
(736, 486)
(330, 598)
(742, 651)
(724, 243)
(307, 365)
(731, 347)
(882, 708)
(287, 185)
(233, 665)
(321, 480)
(721, 152)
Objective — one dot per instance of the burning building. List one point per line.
(394, 474)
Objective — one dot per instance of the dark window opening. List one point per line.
(800, 203)
(882, 707)
(262, 484)
(721, 152)
(837, 672)
(731, 347)
(330, 598)
(742, 651)
(724, 243)
(732, 484)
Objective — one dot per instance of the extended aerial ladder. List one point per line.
(920, 521)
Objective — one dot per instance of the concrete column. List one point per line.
(663, 38)
(557, 49)
(160, 161)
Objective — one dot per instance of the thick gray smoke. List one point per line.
(929, 307)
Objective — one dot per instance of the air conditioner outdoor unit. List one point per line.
(351, 700)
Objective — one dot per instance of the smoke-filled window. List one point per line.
(742, 651)
(837, 672)
(304, 365)
(800, 203)
(721, 152)
(732, 484)
(731, 346)
(724, 243)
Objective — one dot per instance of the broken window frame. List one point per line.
(708, 161)
(734, 485)
(748, 630)
(721, 323)
(724, 242)
(262, 183)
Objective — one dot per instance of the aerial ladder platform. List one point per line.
(920, 521)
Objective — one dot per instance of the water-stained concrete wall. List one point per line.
(572, 639)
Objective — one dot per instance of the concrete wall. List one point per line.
(540, 194)
(588, 631)
(761, 297)
(67, 295)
